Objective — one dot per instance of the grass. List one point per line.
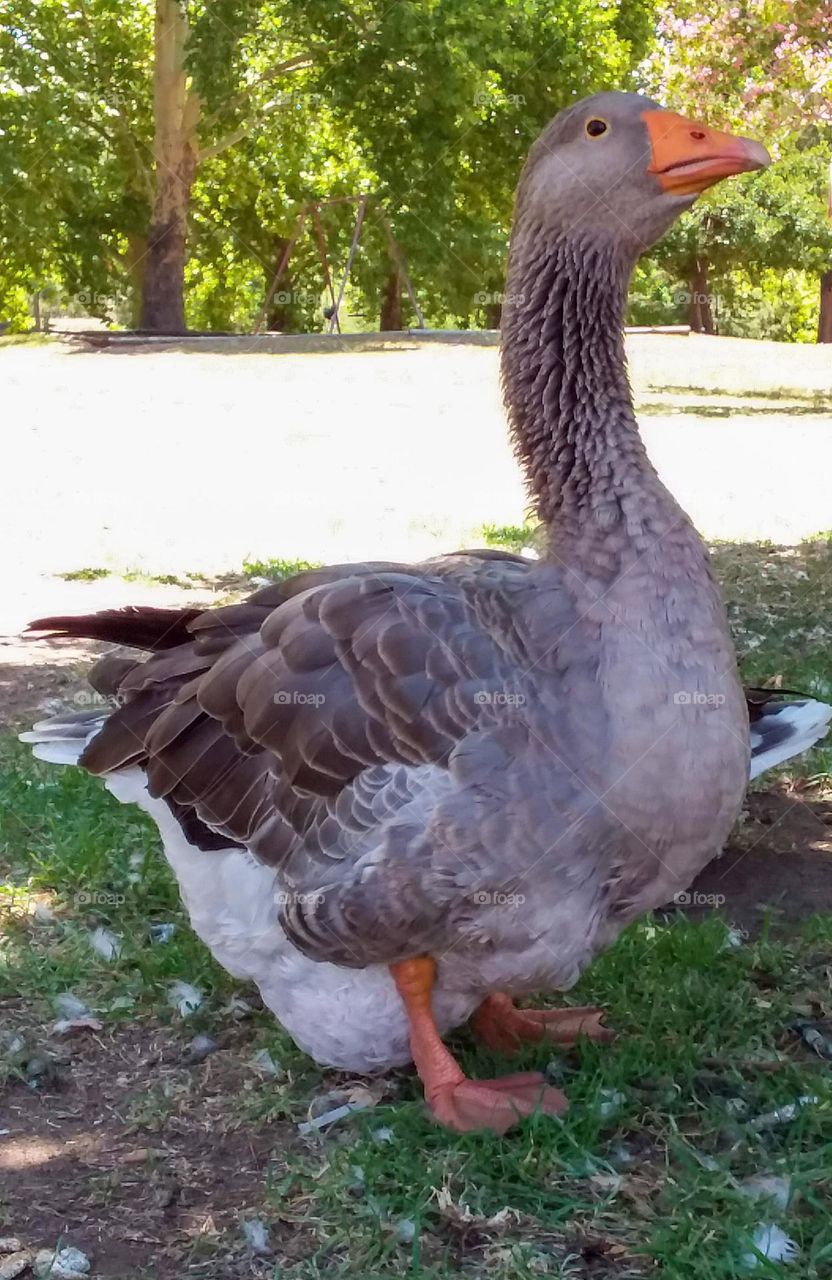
(25, 340)
(645, 1172)
(272, 569)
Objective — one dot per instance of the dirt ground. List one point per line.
(84, 1169)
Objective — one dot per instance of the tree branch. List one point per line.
(237, 135)
(299, 62)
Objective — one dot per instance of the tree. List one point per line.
(73, 176)
(136, 108)
(762, 66)
(187, 133)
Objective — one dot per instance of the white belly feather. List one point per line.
(347, 1018)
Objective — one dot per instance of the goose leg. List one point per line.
(502, 1026)
(456, 1101)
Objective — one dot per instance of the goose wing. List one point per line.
(315, 724)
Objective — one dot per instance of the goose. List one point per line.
(400, 797)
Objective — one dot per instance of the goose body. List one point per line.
(347, 1018)
(397, 795)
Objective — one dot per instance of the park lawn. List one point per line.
(160, 1157)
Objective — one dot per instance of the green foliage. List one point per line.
(430, 105)
(760, 68)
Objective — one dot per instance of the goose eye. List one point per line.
(596, 127)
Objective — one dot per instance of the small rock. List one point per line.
(256, 1235)
(201, 1047)
(41, 1070)
(105, 943)
(43, 913)
(69, 1006)
(15, 1264)
(161, 933)
(773, 1243)
(817, 1036)
(383, 1134)
(185, 997)
(405, 1230)
(264, 1062)
(65, 1264)
(10, 1244)
(610, 1101)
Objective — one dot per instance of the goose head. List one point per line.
(617, 167)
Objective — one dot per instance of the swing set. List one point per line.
(312, 211)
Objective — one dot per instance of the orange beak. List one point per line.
(688, 157)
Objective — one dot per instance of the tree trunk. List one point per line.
(136, 261)
(391, 301)
(700, 314)
(280, 317)
(175, 151)
(493, 315)
(825, 316)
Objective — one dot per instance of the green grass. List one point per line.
(276, 569)
(701, 1024)
(653, 1182)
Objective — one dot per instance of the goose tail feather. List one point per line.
(138, 626)
(61, 739)
(783, 730)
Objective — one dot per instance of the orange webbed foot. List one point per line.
(503, 1027)
(470, 1105)
(462, 1104)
